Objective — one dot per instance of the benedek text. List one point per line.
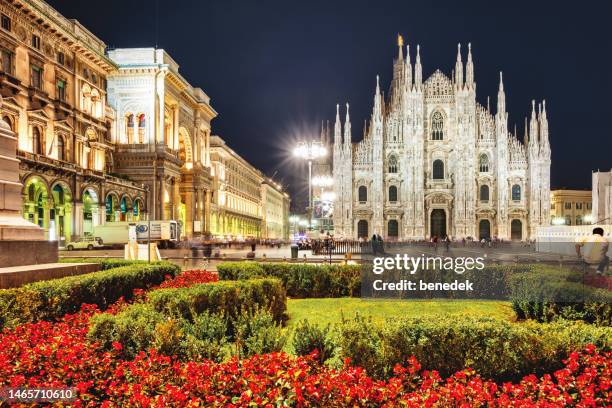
(407, 285)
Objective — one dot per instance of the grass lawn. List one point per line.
(323, 311)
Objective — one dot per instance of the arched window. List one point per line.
(61, 148)
(437, 126)
(484, 193)
(9, 122)
(362, 229)
(438, 170)
(96, 104)
(129, 128)
(392, 164)
(363, 194)
(37, 141)
(483, 163)
(392, 229)
(86, 98)
(141, 127)
(392, 194)
(516, 192)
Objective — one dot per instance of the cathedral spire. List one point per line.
(408, 69)
(418, 70)
(338, 127)
(526, 137)
(469, 68)
(459, 68)
(545, 146)
(501, 96)
(533, 126)
(377, 114)
(347, 127)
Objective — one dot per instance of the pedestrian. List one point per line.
(593, 250)
(447, 242)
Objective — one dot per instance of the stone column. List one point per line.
(21, 242)
(206, 226)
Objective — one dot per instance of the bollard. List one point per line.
(185, 261)
(263, 258)
(284, 259)
(304, 257)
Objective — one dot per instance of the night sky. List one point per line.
(275, 69)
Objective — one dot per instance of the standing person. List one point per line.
(593, 250)
(447, 242)
(381, 244)
(374, 244)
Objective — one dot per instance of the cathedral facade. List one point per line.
(435, 162)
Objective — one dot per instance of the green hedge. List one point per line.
(228, 298)
(300, 280)
(105, 263)
(54, 298)
(495, 348)
(199, 321)
(546, 294)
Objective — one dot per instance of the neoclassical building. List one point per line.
(435, 162)
(245, 203)
(53, 83)
(162, 135)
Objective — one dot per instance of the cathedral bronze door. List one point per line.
(437, 226)
(484, 229)
(516, 230)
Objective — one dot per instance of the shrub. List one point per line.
(46, 354)
(258, 333)
(309, 337)
(546, 294)
(495, 348)
(54, 298)
(228, 298)
(300, 280)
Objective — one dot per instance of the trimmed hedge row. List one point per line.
(495, 348)
(228, 298)
(546, 294)
(300, 280)
(46, 300)
(105, 263)
(199, 321)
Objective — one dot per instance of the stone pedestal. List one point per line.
(13, 228)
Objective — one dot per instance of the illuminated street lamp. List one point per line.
(322, 181)
(309, 151)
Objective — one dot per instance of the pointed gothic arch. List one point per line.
(437, 126)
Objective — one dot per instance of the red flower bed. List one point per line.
(183, 280)
(189, 278)
(56, 354)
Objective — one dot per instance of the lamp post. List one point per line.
(309, 151)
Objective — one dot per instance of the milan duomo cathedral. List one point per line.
(434, 162)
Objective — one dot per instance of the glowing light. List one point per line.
(322, 181)
(310, 150)
(328, 196)
(558, 221)
(400, 40)
(588, 218)
(189, 165)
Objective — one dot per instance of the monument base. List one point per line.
(17, 253)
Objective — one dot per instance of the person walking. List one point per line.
(593, 250)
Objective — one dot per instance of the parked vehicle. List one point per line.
(88, 242)
(165, 233)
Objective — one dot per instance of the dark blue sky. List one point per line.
(275, 66)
